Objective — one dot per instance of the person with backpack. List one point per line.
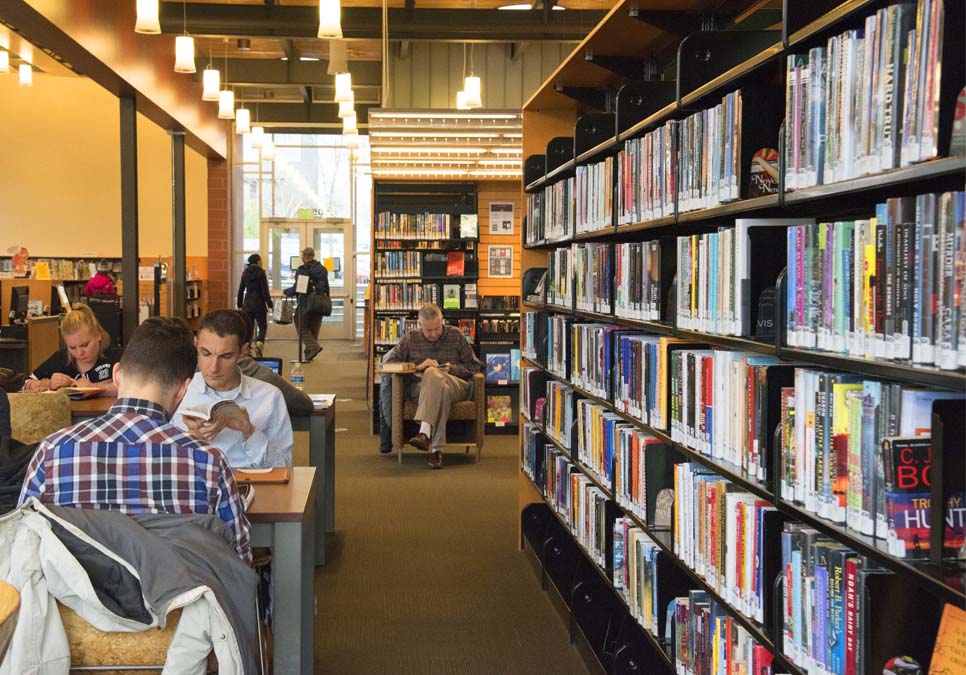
(309, 320)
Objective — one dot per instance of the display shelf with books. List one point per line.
(425, 249)
(498, 341)
(751, 331)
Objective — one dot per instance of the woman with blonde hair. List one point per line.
(87, 359)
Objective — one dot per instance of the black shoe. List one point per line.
(420, 442)
(385, 450)
(311, 354)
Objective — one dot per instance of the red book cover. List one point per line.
(851, 566)
(708, 385)
(762, 661)
(455, 264)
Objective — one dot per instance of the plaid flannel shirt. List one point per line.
(451, 347)
(133, 460)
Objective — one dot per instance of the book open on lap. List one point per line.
(221, 410)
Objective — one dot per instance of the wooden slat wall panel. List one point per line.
(499, 191)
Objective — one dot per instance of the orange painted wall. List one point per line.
(499, 191)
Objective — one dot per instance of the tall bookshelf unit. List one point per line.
(412, 267)
(606, 96)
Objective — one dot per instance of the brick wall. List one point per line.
(219, 236)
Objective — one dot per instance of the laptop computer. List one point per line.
(271, 362)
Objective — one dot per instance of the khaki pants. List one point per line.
(436, 392)
(309, 330)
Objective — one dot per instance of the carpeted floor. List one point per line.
(424, 574)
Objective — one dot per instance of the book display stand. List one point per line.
(707, 396)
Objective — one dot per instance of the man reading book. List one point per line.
(445, 363)
(259, 433)
(132, 459)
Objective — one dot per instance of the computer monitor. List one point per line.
(19, 302)
(270, 362)
(58, 300)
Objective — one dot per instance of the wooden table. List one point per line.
(321, 427)
(398, 395)
(283, 517)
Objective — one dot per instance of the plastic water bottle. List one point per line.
(298, 376)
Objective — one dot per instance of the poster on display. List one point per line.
(501, 218)
(501, 261)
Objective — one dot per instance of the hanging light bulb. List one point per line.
(330, 19)
(349, 124)
(472, 88)
(268, 149)
(26, 75)
(461, 100)
(346, 109)
(184, 54)
(243, 121)
(343, 87)
(4, 62)
(226, 104)
(211, 79)
(258, 136)
(147, 18)
(352, 141)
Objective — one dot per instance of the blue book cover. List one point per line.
(497, 368)
(797, 589)
(835, 632)
(514, 365)
(790, 281)
(820, 603)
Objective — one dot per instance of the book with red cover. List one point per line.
(455, 264)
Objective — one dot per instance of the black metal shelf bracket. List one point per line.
(590, 97)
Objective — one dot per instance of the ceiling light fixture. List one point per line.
(472, 86)
(211, 79)
(244, 44)
(461, 100)
(352, 141)
(147, 18)
(26, 75)
(343, 87)
(346, 109)
(226, 104)
(330, 19)
(184, 48)
(4, 62)
(268, 149)
(349, 124)
(258, 136)
(243, 121)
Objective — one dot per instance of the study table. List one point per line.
(321, 427)
(283, 517)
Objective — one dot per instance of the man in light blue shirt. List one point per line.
(263, 437)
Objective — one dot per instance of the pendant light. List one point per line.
(147, 18)
(5, 62)
(461, 100)
(26, 75)
(184, 54)
(210, 79)
(184, 48)
(472, 87)
(258, 136)
(243, 123)
(346, 109)
(330, 19)
(268, 149)
(226, 104)
(343, 87)
(349, 124)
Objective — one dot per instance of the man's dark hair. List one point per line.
(225, 322)
(249, 324)
(161, 350)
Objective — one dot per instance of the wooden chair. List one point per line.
(9, 610)
(467, 419)
(35, 416)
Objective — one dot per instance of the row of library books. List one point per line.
(410, 263)
(855, 452)
(710, 154)
(408, 295)
(593, 195)
(504, 326)
(647, 170)
(888, 287)
(637, 280)
(868, 100)
(552, 213)
(388, 330)
(413, 225)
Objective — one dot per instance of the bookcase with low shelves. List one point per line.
(419, 256)
(560, 137)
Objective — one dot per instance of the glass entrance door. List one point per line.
(331, 239)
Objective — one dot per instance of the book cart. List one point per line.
(608, 96)
(410, 264)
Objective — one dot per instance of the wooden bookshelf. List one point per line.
(698, 67)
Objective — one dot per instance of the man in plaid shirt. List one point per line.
(445, 363)
(132, 459)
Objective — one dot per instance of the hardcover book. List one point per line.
(499, 410)
(498, 368)
(451, 296)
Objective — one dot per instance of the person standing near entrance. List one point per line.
(309, 323)
(254, 300)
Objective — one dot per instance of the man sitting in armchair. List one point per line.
(445, 363)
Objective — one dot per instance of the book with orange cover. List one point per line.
(949, 654)
(279, 475)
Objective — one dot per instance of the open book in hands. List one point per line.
(225, 411)
(77, 393)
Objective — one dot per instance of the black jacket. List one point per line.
(317, 274)
(253, 295)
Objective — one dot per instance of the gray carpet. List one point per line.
(424, 573)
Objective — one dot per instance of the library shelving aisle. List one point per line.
(742, 385)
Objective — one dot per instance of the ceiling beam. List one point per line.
(438, 25)
(288, 46)
(267, 72)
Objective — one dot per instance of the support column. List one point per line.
(219, 233)
(129, 215)
(178, 225)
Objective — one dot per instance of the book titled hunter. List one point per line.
(908, 464)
